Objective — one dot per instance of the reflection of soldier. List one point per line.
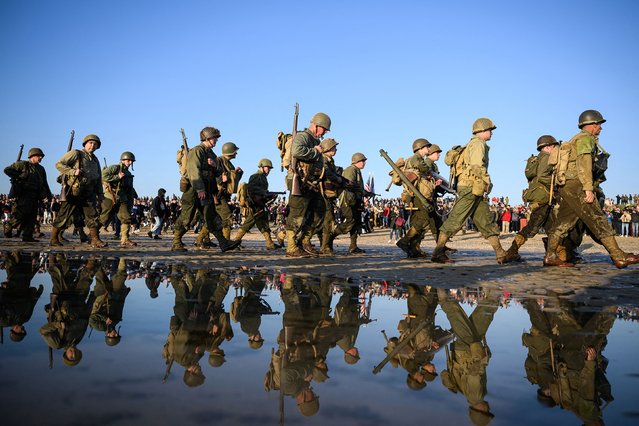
(249, 308)
(70, 307)
(17, 297)
(577, 378)
(110, 295)
(469, 354)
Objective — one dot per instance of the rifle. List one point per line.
(66, 188)
(53, 302)
(295, 184)
(399, 346)
(185, 145)
(404, 179)
(13, 190)
(270, 197)
(445, 185)
(20, 153)
(105, 162)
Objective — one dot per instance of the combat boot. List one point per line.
(308, 247)
(280, 238)
(500, 253)
(404, 243)
(29, 239)
(125, 231)
(325, 249)
(84, 238)
(415, 245)
(270, 245)
(353, 249)
(177, 240)
(240, 234)
(225, 243)
(292, 250)
(96, 242)
(512, 254)
(551, 258)
(61, 236)
(226, 232)
(439, 254)
(8, 229)
(620, 258)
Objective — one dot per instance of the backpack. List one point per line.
(284, 145)
(531, 168)
(455, 160)
(181, 160)
(400, 162)
(242, 195)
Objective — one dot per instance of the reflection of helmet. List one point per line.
(216, 359)
(328, 144)
(16, 337)
(350, 359)
(414, 384)
(419, 144)
(546, 140)
(193, 379)
(255, 344)
(357, 157)
(127, 155)
(265, 162)
(209, 132)
(483, 124)
(433, 149)
(309, 408)
(72, 363)
(112, 341)
(35, 151)
(480, 418)
(229, 148)
(322, 120)
(92, 137)
(590, 116)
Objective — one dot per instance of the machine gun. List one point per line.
(404, 179)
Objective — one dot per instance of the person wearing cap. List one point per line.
(159, 212)
(539, 174)
(227, 182)
(306, 204)
(473, 184)
(578, 176)
(80, 168)
(416, 167)
(29, 187)
(351, 203)
(119, 196)
(258, 196)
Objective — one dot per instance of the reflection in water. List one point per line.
(323, 346)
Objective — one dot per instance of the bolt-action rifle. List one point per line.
(66, 187)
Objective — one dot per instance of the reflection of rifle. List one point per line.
(20, 152)
(295, 184)
(168, 370)
(399, 346)
(405, 180)
(66, 188)
(53, 302)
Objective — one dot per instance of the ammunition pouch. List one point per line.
(310, 174)
(479, 187)
(185, 184)
(599, 167)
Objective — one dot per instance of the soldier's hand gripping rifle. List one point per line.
(445, 185)
(66, 187)
(407, 183)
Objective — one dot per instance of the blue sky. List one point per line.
(386, 72)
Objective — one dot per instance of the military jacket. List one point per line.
(425, 184)
(257, 186)
(432, 166)
(354, 195)
(227, 188)
(29, 179)
(581, 155)
(118, 189)
(90, 179)
(200, 173)
(475, 164)
(539, 187)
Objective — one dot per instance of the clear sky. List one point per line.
(135, 72)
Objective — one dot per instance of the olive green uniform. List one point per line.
(332, 187)
(119, 195)
(306, 211)
(110, 296)
(256, 213)
(351, 204)
(225, 191)
(17, 297)
(29, 187)
(86, 188)
(434, 219)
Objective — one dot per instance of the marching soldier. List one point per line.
(305, 203)
(420, 217)
(473, 183)
(351, 203)
(258, 196)
(575, 176)
(119, 195)
(198, 196)
(81, 170)
(227, 181)
(333, 185)
(29, 185)
(539, 176)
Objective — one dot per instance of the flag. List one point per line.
(370, 184)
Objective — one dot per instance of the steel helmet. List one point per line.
(483, 124)
(92, 137)
(357, 157)
(209, 132)
(127, 155)
(35, 151)
(546, 140)
(265, 162)
(328, 144)
(229, 148)
(322, 120)
(590, 116)
(419, 144)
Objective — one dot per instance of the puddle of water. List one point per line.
(166, 344)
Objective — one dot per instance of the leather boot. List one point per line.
(325, 248)
(415, 246)
(292, 250)
(125, 232)
(512, 254)
(225, 243)
(353, 249)
(240, 234)
(226, 231)
(7, 229)
(620, 258)
(280, 238)
(55, 237)
(404, 243)
(307, 246)
(270, 245)
(177, 240)
(84, 238)
(439, 254)
(551, 258)
(500, 253)
(96, 242)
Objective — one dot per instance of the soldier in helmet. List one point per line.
(258, 196)
(418, 171)
(119, 195)
(351, 203)
(473, 183)
(81, 170)
(200, 191)
(29, 187)
(575, 178)
(306, 205)
(110, 295)
(539, 174)
(227, 182)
